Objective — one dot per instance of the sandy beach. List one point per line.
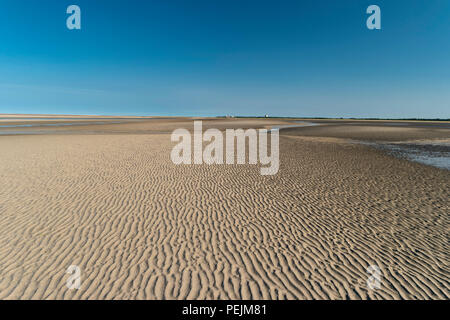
(106, 197)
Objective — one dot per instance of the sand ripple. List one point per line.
(140, 227)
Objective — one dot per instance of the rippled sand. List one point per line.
(140, 227)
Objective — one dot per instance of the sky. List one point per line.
(312, 58)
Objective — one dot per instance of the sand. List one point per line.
(140, 227)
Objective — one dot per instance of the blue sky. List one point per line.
(216, 57)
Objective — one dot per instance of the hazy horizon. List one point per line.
(215, 116)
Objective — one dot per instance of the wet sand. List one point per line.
(107, 198)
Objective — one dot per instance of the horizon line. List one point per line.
(224, 116)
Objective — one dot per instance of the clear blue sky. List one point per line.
(215, 57)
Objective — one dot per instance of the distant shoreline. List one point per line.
(12, 115)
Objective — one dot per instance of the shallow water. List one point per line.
(13, 133)
(303, 124)
(57, 124)
(56, 119)
(433, 153)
